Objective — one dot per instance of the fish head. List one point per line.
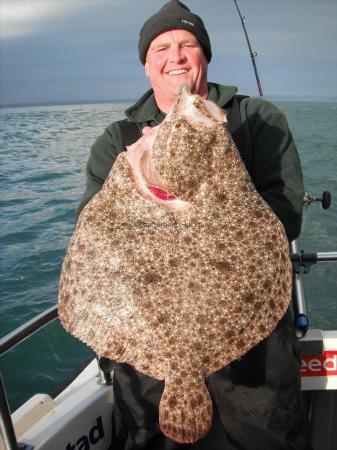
(182, 151)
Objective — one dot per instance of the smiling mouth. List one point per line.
(177, 72)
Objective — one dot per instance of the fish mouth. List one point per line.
(151, 183)
(147, 180)
(161, 193)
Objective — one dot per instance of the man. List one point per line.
(257, 399)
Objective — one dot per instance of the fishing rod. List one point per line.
(253, 55)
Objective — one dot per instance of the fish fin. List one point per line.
(185, 414)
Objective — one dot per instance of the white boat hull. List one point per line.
(80, 418)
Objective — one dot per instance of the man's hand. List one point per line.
(146, 130)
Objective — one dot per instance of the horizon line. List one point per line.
(289, 97)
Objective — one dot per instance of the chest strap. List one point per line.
(130, 131)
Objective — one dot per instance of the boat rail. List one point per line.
(313, 258)
(302, 263)
(6, 424)
(6, 343)
(27, 329)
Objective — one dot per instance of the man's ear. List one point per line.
(146, 67)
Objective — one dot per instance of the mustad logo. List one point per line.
(85, 442)
(187, 22)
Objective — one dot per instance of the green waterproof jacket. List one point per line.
(268, 148)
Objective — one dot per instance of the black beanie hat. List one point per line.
(172, 16)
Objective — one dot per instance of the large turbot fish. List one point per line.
(177, 266)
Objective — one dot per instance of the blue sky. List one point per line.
(73, 50)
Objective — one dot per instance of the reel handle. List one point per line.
(325, 199)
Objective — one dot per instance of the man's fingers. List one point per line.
(146, 130)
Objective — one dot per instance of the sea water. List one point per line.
(43, 156)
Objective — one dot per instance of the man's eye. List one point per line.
(160, 49)
(189, 44)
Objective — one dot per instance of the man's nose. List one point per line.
(176, 54)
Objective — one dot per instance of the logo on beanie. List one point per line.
(187, 22)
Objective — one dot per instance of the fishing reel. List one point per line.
(308, 199)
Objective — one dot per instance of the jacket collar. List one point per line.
(146, 109)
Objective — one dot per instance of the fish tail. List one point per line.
(185, 414)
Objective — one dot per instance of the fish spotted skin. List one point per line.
(178, 287)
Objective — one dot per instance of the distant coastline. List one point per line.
(66, 102)
(285, 98)
(301, 98)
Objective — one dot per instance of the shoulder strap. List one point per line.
(234, 124)
(130, 131)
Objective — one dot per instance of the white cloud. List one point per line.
(21, 17)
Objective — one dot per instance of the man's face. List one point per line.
(174, 58)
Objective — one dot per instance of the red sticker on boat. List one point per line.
(320, 365)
